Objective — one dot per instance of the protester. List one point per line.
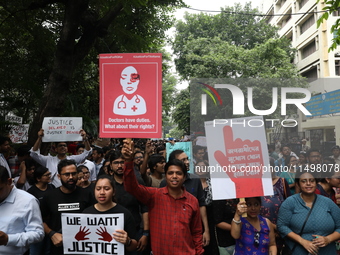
(254, 234)
(304, 147)
(289, 172)
(129, 201)
(104, 193)
(42, 178)
(98, 158)
(202, 170)
(336, 154)
(83, 176)
(4, 148)
(192, 184)
(302, 158)
(25, 180)
(156, 164)
(20, 218)
(175, 227)
(80, 149)
(67, 198)
(309, 223)
(51, 162)
(270, 205)
(22, 153)
(224, 211)
(329, 182)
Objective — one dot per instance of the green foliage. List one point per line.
(235, 29)
(230, 46)
(49, 50)
(181, 113)
(176, 133)
(331, 6)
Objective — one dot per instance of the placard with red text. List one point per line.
(238, 158)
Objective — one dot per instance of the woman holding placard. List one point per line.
(254, 234)
(104, 192)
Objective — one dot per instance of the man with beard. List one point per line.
(68, 198)
(129, 201)
(61, 150)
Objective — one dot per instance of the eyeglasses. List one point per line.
(257, 239)
(138, 157)
(86, 172)
(118, 162)
(49, 174)
(62, 145)
(69, 174)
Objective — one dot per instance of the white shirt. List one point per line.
(92, 169)
(20, 219)
(3, 162)
(51, 163)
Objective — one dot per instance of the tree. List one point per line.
(235, 25)
(331, 6)
(254, 58)
(181, 113)
(59, 42)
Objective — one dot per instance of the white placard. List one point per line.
(91, 233)
(13, 119)
(19, 133)
(238, 158)
(62, 129)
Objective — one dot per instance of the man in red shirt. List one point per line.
(175, 225)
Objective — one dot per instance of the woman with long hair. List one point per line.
(104, 193)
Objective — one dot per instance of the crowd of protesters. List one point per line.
(167, 210)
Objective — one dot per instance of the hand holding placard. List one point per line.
(245, 160)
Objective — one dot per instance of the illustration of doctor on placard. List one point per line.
(129, 103)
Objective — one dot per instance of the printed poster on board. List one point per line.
(130, 95)
(91, 233)
(238, 158)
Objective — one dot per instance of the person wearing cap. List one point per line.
(336, 154)
(304, 147)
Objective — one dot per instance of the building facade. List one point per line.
(297, 21)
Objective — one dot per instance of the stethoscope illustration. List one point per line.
(122, 103)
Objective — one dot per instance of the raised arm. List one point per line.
(131, 185)
(144, 166)
(37, 144)
(236, 222)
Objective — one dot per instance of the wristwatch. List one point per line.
(146, 233)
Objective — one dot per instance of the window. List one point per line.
(302, 3)
(311, 74)
(308, 50)
(337, 67)
(307, 24)
(337, 12)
